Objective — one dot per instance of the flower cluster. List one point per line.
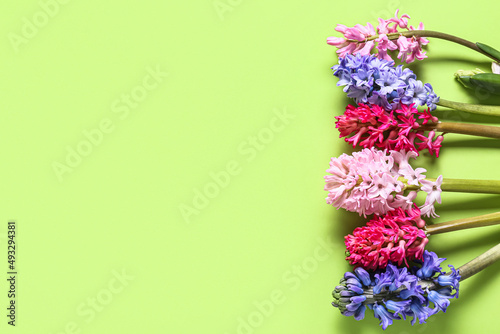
(433, 190)
(367, 79)
(373, 181)
(362, 39)
(396, 237)
(396, 293)
(394, 275)
(372, 125)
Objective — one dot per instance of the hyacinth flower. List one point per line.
(361, 40)
(369, 80)
(388, 36)
(405, 128)
(396, 293)
(400, 237)
(376, 182)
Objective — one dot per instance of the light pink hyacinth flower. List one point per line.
(371, 182)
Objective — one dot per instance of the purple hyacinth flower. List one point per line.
(404, 74)
(418, 311)
(430, 266)
(378, 81)
(451, 279)
(385, 317)
(394, 293)
(392, 279)
(398, 306)
(379, 99)
(432, 98)
(363, 276)
(415, 93)
(440, 298)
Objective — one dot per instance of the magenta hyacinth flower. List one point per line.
(396, 237)
(399, 129)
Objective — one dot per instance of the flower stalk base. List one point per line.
(479, 130)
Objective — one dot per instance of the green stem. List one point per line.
(460, 224)
(465, 128)
(479, 263)
(470, 186)
(471, 108)
(434, 34)
(409, 187)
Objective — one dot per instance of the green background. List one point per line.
(262, 253)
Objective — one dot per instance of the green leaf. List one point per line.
(488, 81)
(489, 50)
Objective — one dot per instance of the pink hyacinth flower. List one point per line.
(433, 190)
(384, 44)
(396, 237)
(409, 49)
(357, 34)
(433, 145)
(370, 182)
(355, 39)
(401, 22)
(391, 25)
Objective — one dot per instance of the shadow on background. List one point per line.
(471, 142)
(475, 95)
(460, 61)
(473, 247)
(479, 282)
(452, 115)
(484, 202)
